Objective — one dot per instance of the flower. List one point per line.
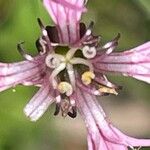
(70, 70)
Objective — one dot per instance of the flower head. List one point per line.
(70, 70)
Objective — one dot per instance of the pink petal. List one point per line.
(39, 103)
(102, 134)
(66, 14)
(89, 89)
(134, 63)
(26, 72)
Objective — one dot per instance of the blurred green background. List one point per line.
(129, 111)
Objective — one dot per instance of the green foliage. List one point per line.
(146, 6)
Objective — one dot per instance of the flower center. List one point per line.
(65, 69)
(66, 63)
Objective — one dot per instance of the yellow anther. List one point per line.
(65, 87)
(104, 89)
(87, 77)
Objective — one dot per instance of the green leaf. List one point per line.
(145, 4)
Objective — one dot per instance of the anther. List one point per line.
(23, 53)
(42, 27)
(45, 34)
(57, 109)
(73, 114)
(65, 87)
(40, 23)
(65, 106)
(108, 90)
(87, 77)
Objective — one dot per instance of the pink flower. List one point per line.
(70, 71)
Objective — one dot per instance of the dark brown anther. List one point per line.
(38, 46)
(73, 114)
(22, 51)
(44, 36)
(57, 109)
(40, 23)
(114, 42)
(119, 87)
(91, 25)
(20, 48)
(105, 94)
(82, 29)
(117, 37)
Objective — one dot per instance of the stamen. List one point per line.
(40, 24)
(65, 106)
(104, 89)
(65, 87)
(86, 35)
(57, 109)
(58, 105)
(42, 27)
(89, 52)
(45, 34)
(73, 114)
(23, 53)
(87, 77)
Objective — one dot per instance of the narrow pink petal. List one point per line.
(26, 72)
(88, 89)
(39, 103)
(36, 80)
(12, 68)
(66, 14)
(101, 133)
(102, 79)
(134, 63)
(19, 78)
